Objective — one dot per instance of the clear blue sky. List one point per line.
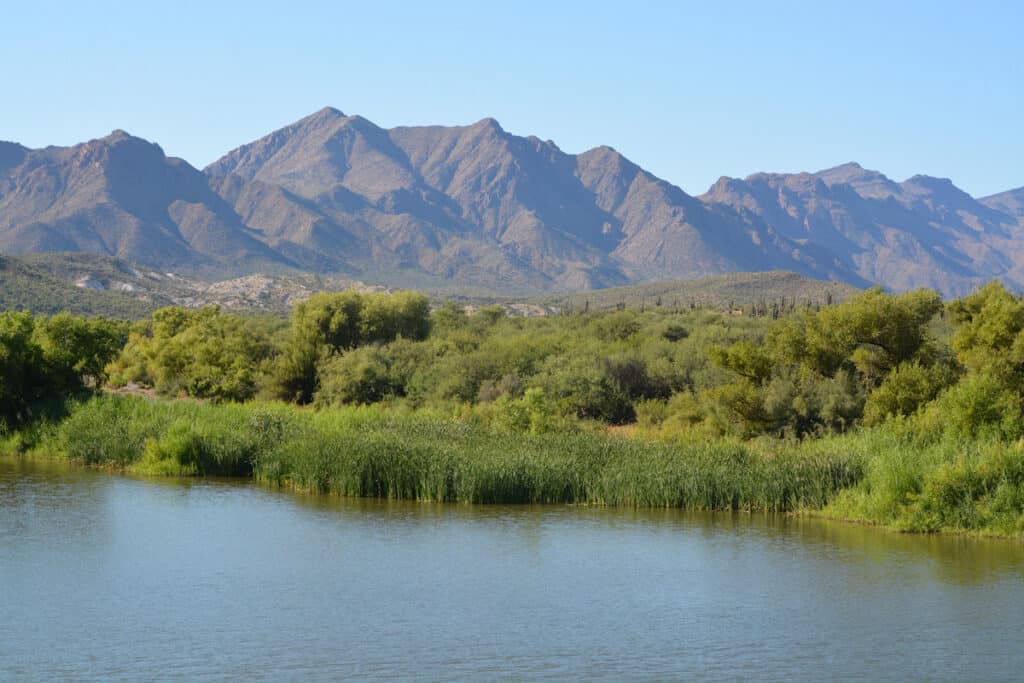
(690, 91)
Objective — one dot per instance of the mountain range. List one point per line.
(474, 207)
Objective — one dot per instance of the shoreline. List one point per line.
(40, 452)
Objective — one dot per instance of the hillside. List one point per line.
(86, 284)
(24, 286)
(715, 292)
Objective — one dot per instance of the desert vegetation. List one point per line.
(899, 410)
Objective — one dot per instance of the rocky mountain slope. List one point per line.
(1010, 202)
(121, 196)
(474, 207)
(922, 232)
(476, 204)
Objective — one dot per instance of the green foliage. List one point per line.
(981, 492)
(870, 334)
(745, 358)
(906, 388)
(989, 326)
(171, 438)
(674, 332)
(360, 376)
(979, 404)
(79, 348)
(784, 291)
(203, 354)
(865, 409)
(44, 358)
(26, 284)
(22, 372)
(617, 326)
(328, 324)
(921, 477)
(587, 388)
(344, 320)
(814, 371)
(376, 452)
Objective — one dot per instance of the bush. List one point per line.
(359, 376)
(203, 354)
(978, 405)
(906, 388)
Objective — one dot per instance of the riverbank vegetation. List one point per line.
(897, 410)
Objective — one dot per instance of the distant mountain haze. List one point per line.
(478, 208)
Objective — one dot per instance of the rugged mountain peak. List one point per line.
(602, 152)
(120, 153)
(609, 157)
(942, 190)
(298, 144)
(846, 173)
(323, 117)
(760, 183)
(724, 188)
(765, 177)
(865, 182)
(488, 124)
(121, 195)
(607, 174)
(329, 112)
(11, 154)
(929, 181)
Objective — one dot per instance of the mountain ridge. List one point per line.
(475, 205)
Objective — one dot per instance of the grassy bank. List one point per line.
(896, 475)
(374, 452)
(934, 482)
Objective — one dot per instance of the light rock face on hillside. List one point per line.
(478, 208)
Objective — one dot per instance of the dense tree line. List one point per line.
(874, 358)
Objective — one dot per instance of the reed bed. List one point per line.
(371, 452)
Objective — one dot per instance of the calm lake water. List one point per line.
(109, 577)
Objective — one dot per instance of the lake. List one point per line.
(108, 577)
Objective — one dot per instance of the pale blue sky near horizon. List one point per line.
(690, 91)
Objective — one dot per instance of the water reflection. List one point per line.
(105, 576)
(956, 559)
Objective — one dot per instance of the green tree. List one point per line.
(204, 354)
(989, 325)
(329, 324)
(814, 370)
(22, 370)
